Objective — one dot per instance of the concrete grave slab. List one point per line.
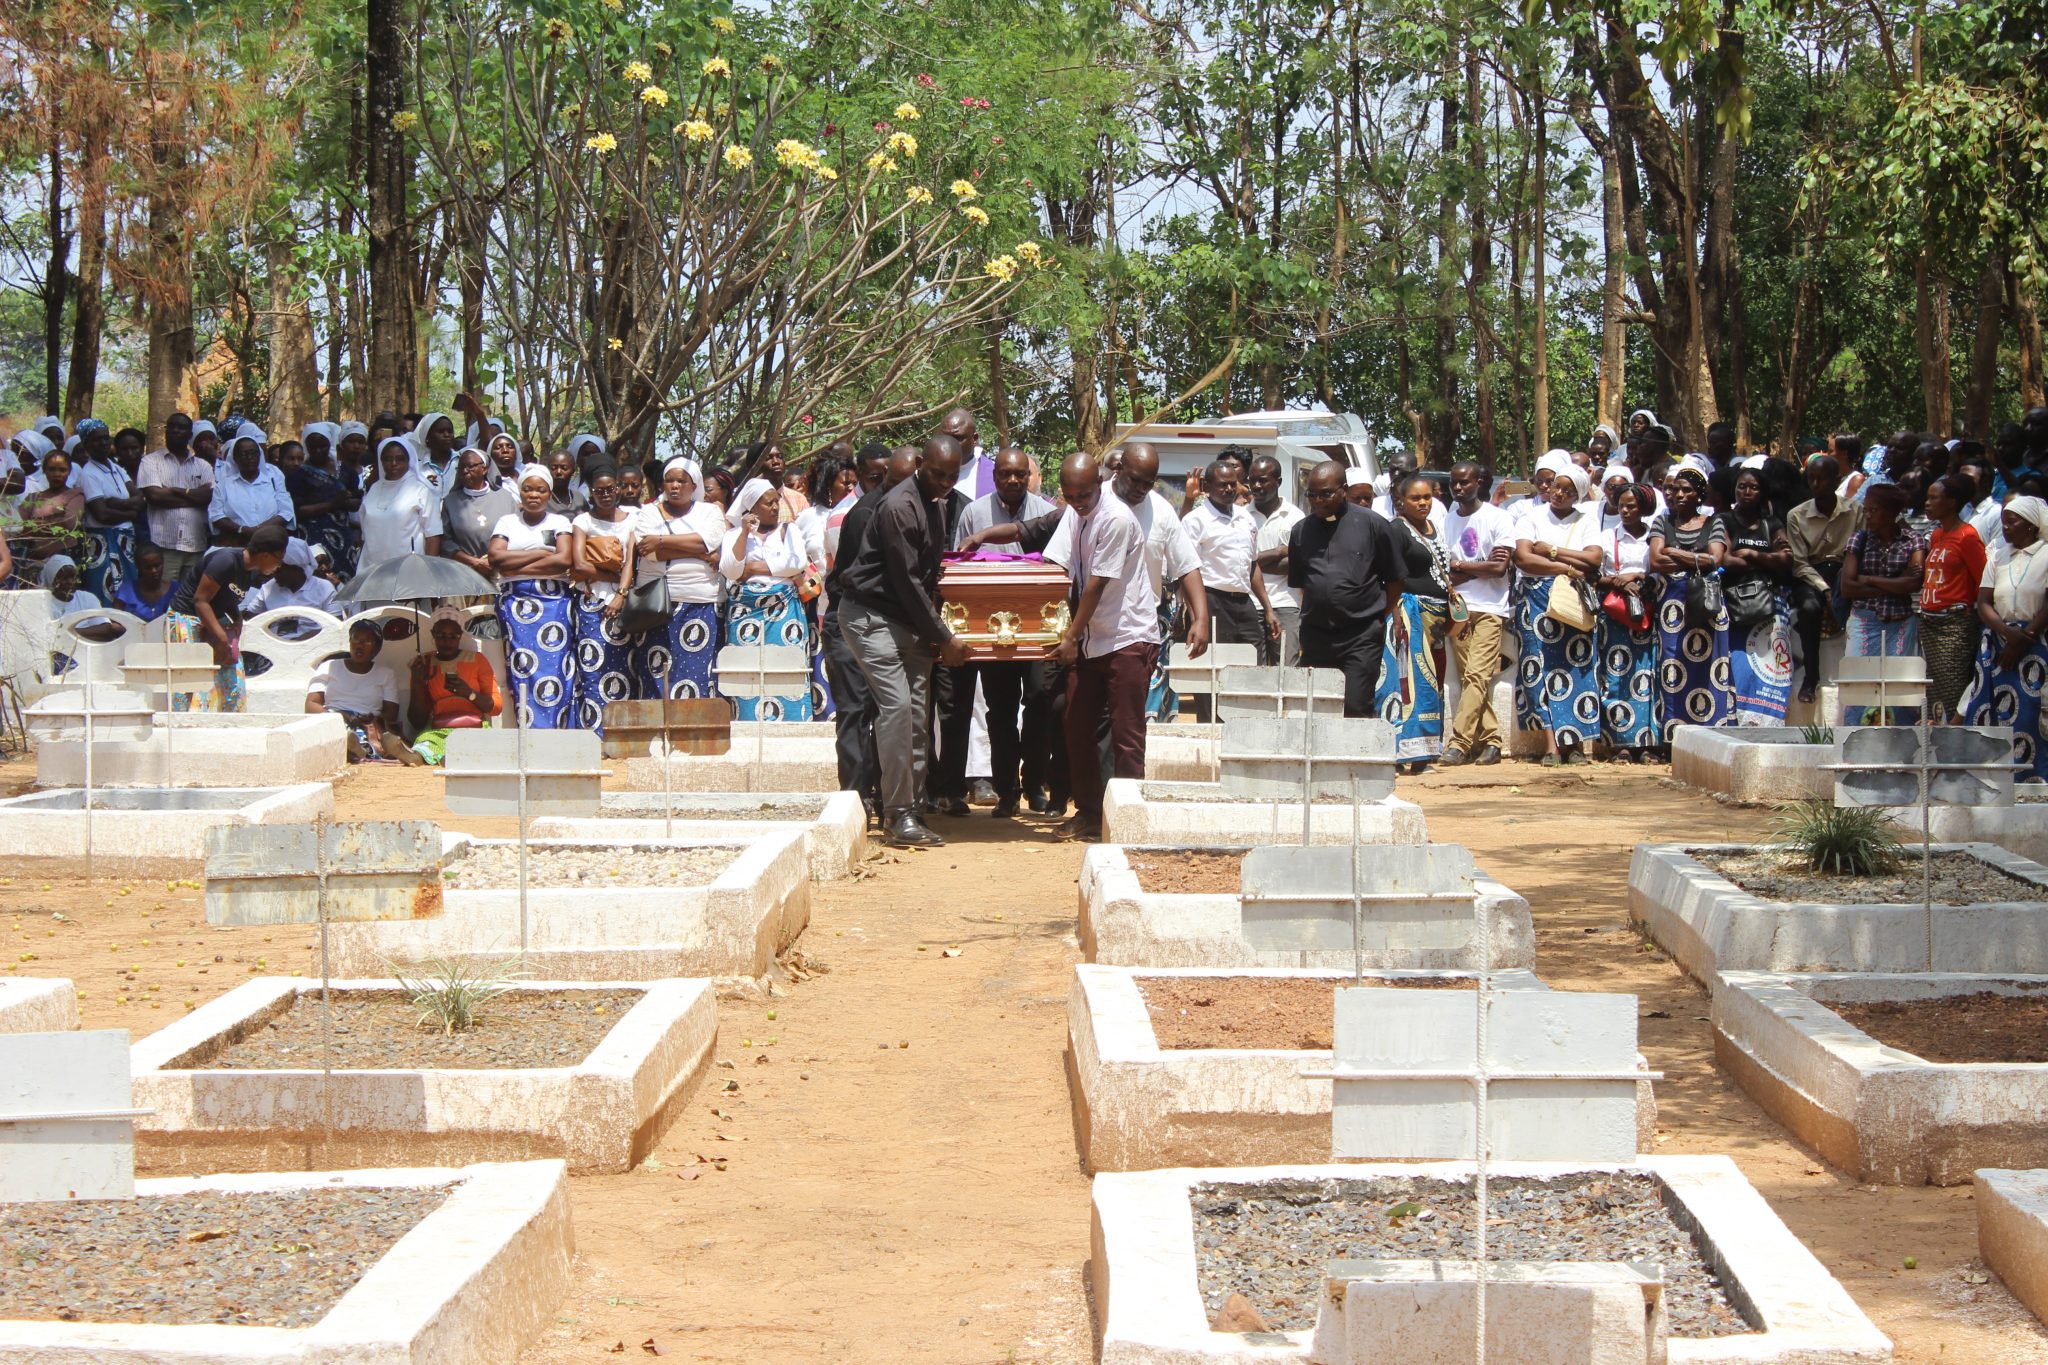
(1123, 924)
(836, 837)
(147, 829)
(602, 1114)
(1710, 925)
(1149, 1308)
(1557, 1058)
(199, 749)
(1201, 814)
(766, 756)
(1882, 1114)
(564, 772)
(2020, 829)
(1261, 758)
(473, 1283)
(1425, 1313)
(65, 1116)
(37, 1004)
(733, 925)
(371, 869)
(2012, 1232)
(1752, 763)
(1138, 1105)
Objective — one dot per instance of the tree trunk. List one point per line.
(998, 391)
(56, 276)
(1930, 331)
(1481, 277)
(393, 359)
(1443, 439)
(169, 289)
(470, 273)
(1984, 346)
(1735, 326)
(2026, 321)
(1539, 383)
(294, 377)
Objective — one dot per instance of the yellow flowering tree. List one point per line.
(670, 246)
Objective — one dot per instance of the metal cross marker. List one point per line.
(66, 1117)
(746, 670)
(1263, 759)
(1327, 897)
(330, 870)
(1924, 765)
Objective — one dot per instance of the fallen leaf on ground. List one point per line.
(650, 1347)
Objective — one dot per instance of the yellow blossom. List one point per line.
(696, 130)
(654, 161)
(601, 143)
(1031, 252)
(405, 120)
(881, 161)
(558, 30)
(615, 344)
(906, 112)
(723, 25)
(638, 72)
(963, 190)
(738, 158)
(904, 143)
(614, 4)
(1002, 268)
(770, 62)
(663, 49)
(827, 173)
(976, 216)
(654, 97)
(918, 194)
(721, 110)
(795, 155)
(717, 66)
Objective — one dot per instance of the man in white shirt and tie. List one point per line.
(1225, 534)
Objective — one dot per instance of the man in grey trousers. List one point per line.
(889, 616)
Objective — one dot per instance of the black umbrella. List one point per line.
(409, 578)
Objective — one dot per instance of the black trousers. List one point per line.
(952, 719)
(1235, 619)
(1809, 610)
(1021, 730)
(853, 715)
(1356, 650)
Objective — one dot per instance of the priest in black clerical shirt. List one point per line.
(1345, 563)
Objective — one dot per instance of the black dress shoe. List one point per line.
(1487, 756)
(873, 808)
(1005, 808)
(904, 831)
(982, 793)
(1037, 804)
(953, 806)
(1453, 758)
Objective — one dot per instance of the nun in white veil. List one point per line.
(401, 512)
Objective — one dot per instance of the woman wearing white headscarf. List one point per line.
(434, 439)
(322, 499)
(1557, 552)
(2012, 660)
(502, 453)
(401, 512)
(763, 558)
(677, 535)
(530, 552)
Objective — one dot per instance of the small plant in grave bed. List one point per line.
(452, 993)
(1813, 732)
(1842, 841)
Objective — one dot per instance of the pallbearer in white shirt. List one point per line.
(1225, 533)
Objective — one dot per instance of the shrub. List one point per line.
(1815, 733)
(1846, 841)
(451, 993)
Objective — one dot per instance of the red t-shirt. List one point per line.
(1955, 569)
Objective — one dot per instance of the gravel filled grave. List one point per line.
(268, 1259)
(377, 1030)
(495, 867)
(1287, 1012)
(1272, 1242)
(1985, 1027)
(1958, 879)
(1181, 874)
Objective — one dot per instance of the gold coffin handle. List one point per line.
(1053, 619)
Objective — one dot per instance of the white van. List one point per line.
(1299, 440)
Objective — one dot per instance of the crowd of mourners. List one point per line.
(1629, 587)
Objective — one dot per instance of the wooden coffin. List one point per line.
(1006, 610)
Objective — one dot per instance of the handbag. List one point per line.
(1704, 600)
(1567, 605)
(647, 604)
(1626, 608)
(1749, 601)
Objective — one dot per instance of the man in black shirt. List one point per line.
(889, 614)
(853, 706)
(1343, 560)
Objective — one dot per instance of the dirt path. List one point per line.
(883, 1203)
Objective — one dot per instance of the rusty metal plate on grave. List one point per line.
(375, 870)
(1968, 765)
(692, 725)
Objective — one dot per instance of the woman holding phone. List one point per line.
(530, 554)
(452, 689)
